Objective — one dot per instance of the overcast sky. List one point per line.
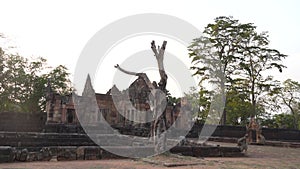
(58, 30)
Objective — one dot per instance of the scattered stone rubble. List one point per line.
(64, 153)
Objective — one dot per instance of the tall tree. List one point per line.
(231, 53)
(14, 82)
(255, 59)
(23, 82)
(214, 55)
(287, 97)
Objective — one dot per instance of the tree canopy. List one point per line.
(243, 57)
(23, 82)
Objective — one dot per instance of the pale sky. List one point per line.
(58, 30)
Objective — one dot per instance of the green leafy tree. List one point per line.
(14, 82)
(238, 107)
(172, 101)
(200, 103)
(233, 54)
(213, 54)
(3, 98)
(23, 82)
(287, 98)
(281, 120)
(60, 81)
(256, 59)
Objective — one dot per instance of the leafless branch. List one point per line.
(142, 75)
(126, 71)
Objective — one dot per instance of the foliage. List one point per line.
(238, 108)
(287, 98)
(215, 54)
(172, 101)
(255, 59)
(281, 120)
(23, 82)
(200, 103)
(235, 57)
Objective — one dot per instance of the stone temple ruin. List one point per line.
(61, 110)
(64, 139)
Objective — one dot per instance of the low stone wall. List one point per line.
(219, 131)
(30, 139)
(73, 146)
(281, 134)
(36, 122)
(225, 131)
(53, 153)
(22, 122)
(207, 151)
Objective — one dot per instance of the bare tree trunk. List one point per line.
(158, 125)
(160, 121)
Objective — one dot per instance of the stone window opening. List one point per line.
(70, 116)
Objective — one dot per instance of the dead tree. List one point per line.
(142, 75)
(159, 122)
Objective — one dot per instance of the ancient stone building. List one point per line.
(112, 107)
(61, 109)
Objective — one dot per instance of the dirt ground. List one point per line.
(256, 157)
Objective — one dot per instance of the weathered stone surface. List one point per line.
(22, 155)
(7, 154)
(184, 150)
(14, 139)
(44, 154)
(22, 122)
(207, 151)
(92, 153)
(66, 153)
(89, 153)
(80, 152)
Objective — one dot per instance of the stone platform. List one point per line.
(73, 146)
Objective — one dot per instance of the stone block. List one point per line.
(92, 153)
(21, 155)
(66, 153)
(7, 154)
(80, 153)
